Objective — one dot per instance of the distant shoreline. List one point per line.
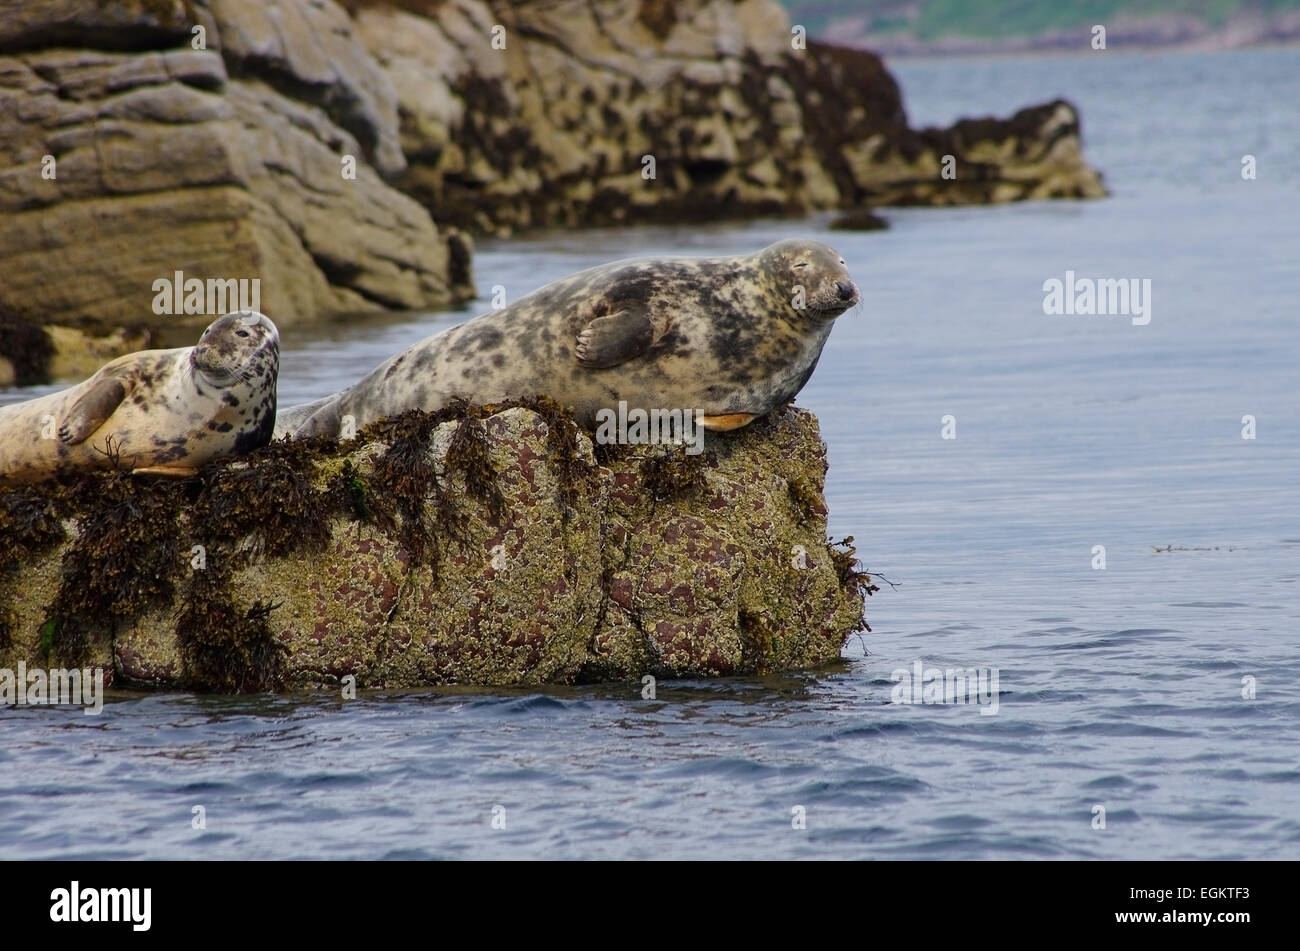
(941, 54)
(1169, 32)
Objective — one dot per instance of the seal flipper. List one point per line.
(616, 338)
(727, 421)
(170, 472)
(91, 410)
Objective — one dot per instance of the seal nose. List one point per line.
(846, 290)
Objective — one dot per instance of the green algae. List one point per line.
(354, 487)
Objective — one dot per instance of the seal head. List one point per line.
(237, 348)
(817, 269)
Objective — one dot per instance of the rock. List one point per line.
(555, 130)
(310, 52)
(859, 219)
(139, 138)
(26, 350)
(489, 548)
(122, 24)
(31, 353)
(1034, 154)
(129, 154)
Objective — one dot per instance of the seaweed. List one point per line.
(406, 479)
(222, 647)
(807, 499)
(572, 472)
(355, 493)
(673, 475)
(31, 522)
(129, 550)
(855, 582)
(121, 563)
(470, 453)
(266, 504)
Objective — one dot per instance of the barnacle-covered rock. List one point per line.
(479, 545)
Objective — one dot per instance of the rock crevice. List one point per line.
(126, 161)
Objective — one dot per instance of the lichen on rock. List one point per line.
(479, 545)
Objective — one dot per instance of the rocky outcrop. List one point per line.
(611, 111)
(311, 146)
(31, 352)
(479, 547)
(1034, 154)
(210, 137)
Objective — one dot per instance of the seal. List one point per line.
(729, 338)
(156, 412)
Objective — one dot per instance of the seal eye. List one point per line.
(802, 264)
(241, 333)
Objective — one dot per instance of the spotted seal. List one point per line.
(728, 337)
(160, 412)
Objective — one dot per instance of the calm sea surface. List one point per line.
(1120, 688)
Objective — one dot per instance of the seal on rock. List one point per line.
(729, 338)
(157, 412)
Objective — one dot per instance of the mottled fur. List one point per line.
(174, 409)
(719, 335)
